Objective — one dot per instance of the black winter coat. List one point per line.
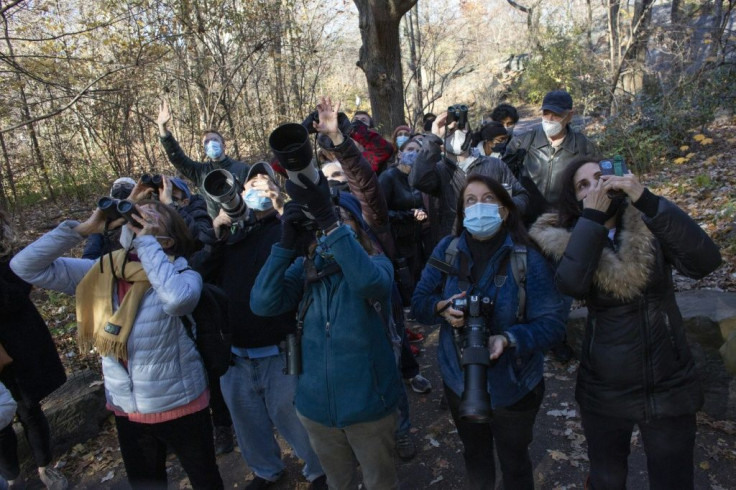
(36, 365)
(636, 362)
(442, 179)
(402, 200)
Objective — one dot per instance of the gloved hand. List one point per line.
(316, 197)
(310, 119)
(294, 233)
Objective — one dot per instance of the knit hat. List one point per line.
(122, 187)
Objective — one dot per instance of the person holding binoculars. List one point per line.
(130, 305)
(495, 297)
(214, 149)
(444, 161)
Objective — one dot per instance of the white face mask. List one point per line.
(454, 144)
(126, 237)
(551, 128)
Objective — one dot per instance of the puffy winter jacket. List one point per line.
(164, 369)
(442, 179)
(519, 369)
(349, 372)
(636, 362)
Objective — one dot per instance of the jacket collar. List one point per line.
(569, 144)
(623, 273)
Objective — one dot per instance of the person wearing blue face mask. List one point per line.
(257, 392)
(214, 149)
(488, 235)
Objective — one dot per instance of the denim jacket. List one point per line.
(519, 369)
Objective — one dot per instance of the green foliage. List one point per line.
(651, 130)
(564, 62)
(703, 181)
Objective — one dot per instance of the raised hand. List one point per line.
(164, 116)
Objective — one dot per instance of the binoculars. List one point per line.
(115, 208)
(459, 113)
(153, 181)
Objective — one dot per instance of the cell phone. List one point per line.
(617, 166)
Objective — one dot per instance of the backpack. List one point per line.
(209, 327)
(517, 257)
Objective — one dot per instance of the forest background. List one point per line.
(81, 82)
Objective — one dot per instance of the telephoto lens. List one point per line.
(127, 209)
(109, 207)
(224, 189)
(291, 147)
(475, 405)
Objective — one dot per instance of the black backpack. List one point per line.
(213, 336)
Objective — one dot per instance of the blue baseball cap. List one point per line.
(182, 186)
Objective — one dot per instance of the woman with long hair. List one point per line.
(505, 346)
(129, 308)
(616, 243)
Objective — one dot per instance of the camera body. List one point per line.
(617, 167)
(475, 405)
(459, 113)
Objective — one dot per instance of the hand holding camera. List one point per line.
(316, 197)
(294, 235)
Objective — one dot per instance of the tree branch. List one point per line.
(526, 10)
(9, 6)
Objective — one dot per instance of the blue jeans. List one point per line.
(260, 397)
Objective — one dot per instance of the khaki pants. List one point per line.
(370, 444)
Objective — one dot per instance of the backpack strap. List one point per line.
(448, 266)
(518, 269)
(389, 325)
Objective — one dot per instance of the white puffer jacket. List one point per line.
(164, 368)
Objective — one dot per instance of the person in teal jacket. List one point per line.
(348, 390)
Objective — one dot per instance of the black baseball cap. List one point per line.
(558, 101)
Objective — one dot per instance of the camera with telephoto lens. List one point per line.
(154, 181)
(475, 405)
(291, 147)
(616, 167)
(224, 188)
(459, 113)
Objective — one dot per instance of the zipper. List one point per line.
(332, 410)
(592, 338)
(671, 335)
(649, 408)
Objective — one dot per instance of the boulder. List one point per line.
(710, 324)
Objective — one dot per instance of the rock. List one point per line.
(75, 413)
(709, 318)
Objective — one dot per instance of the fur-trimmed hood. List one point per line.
(623, 273)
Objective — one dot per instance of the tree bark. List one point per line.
(380, 58)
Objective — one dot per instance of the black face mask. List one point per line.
(616, 204)
(340, 186)
(499, 148)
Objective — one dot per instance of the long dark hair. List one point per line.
(568, 207)
(513, 223)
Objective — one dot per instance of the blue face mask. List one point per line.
(254, 200)
(482, 220)
(400, 140)
(409, 157)
(213, 149)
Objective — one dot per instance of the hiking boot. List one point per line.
(415, 351)
(413, 336)
(259, 483)
(319, 483)
(53, 479)
(223, 440)
(419, 384)
(405, 447)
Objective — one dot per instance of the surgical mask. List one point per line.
(551, 128)
(213, 149)
(126, 237)
(482, 220)
(408, 158)
(254, 200)
(510, 129)
(454, 144)
(400, 140)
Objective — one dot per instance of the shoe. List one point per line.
(413, 336)
(420, 384)
(223, 440)
(405, 447)
(258, 483)
(562, 353)
(53, 479)
(415, 351)
(319, 483)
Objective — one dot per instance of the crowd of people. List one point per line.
(325, 255)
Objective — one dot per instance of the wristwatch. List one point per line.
(331, 228)
(510, 338)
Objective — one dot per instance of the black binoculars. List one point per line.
(459, 113)
(115, 208)
(154, 181)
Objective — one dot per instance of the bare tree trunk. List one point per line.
(415, 46)
(675, 11)
(613, 33)
(9, 172)
(380, 58)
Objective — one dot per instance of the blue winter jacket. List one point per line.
(519, 369)
(349, 373)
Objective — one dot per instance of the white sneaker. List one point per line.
(420, 384)
(53, 479)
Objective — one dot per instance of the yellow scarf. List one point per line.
(97, 325)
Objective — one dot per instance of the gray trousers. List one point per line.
(369, 444)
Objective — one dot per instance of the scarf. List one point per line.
(98, 325)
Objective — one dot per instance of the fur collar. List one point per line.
(624, 273)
